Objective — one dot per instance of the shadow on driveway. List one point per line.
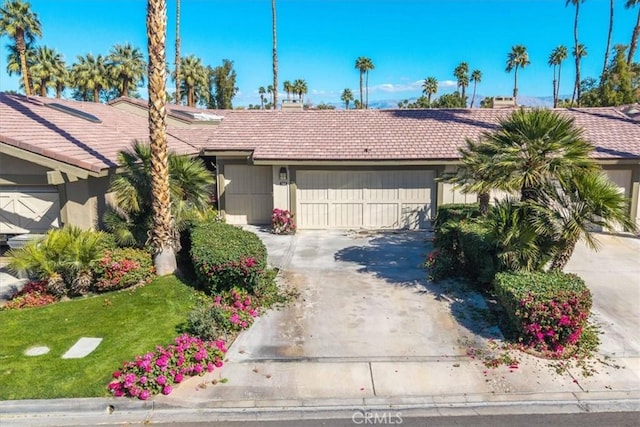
(398, 258)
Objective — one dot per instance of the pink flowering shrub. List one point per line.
(229, 312)
(158, 371)
(548, 310)
(32, 294)
(122, 268)
(282, 222)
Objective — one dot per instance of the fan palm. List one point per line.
(569, 211)
(47, 65)
(195, 80)
(288, 88)
(364, 65)
(130, 219)
(300, 88)
(517, 58)
(14, 65)
(126, 67)
(430, 88)
(22, 25)
(461, 73)
(532, 148)
(346, 97)
(558, 55)
(578, 52)
(576, 85)
(262, 91)
(636, 31)
(89, 74)
(476, 77)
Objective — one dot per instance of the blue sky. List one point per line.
(319, 40)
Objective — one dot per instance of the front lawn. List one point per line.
(131, 322)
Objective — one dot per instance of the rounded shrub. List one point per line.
(122, 268)
(225, 256)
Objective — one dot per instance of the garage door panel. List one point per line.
(248, 194)
(313, 215)
(24, 210)
(416, 215)
(381, 215)
(346, 214)
(371, 199)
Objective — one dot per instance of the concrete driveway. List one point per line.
(363, 296)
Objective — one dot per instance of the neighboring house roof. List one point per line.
(33, 125)
(429, 135)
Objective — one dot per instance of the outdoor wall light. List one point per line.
(283, 175)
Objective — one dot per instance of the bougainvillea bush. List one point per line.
(158, 371)
(32, 294)
(282, 222)
(231, 311)
(549, 311)
(122, 268)
(225, 256)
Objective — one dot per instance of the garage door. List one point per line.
(248, 194)
(622, 180)
(364, 199)
(28, 209)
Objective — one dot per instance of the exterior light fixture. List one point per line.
(283, 175)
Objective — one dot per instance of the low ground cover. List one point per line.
(131, 322)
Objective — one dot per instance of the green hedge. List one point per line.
(121, 268)
(463, 248)
(457, 212)
(549, 310)
(225, 256)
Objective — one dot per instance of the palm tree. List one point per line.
(576, 86)
(163, 239)
(177, 74)
(429, 88)
(18, 22)
(461, 73)
(275, 55)
(270, 92)
(568, 213)
(126, 67)
(578, 53)
(61, 78)
(606, 51)
(532, 148)
(262, 91)
(299, 88)
(517, 58)
(558, 55)
(195, 79)
(364, 65)
(476, 77)
(190, 185)
(89, 74)
(46, 66)
(346, 97)
(288, 88)
(636, 31)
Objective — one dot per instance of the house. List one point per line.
(333, 169)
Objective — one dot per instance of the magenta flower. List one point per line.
(144, 395)
(166, 390)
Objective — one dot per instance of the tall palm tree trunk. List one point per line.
(473, 97)
(178, 94)
(162, 235)
(22, 52)
(361, 87)
(555, 105)
(96, 94)
(43, 88)
(555, 87)
(561, 259)
(515, 86)
(366, 105)
(483, 201)
(634, 41)
(576, 85)
(275, 55)
(606, 52)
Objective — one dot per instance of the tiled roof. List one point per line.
(29, 124)
(315, 135)
(434, 134)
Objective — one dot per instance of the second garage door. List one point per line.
(364, 199)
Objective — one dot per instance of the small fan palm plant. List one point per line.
(129, 218)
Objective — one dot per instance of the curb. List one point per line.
(88, 411)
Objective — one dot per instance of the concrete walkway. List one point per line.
(277, 370)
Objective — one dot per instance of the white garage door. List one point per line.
(28, 209)
(248, 194)
(364, 199)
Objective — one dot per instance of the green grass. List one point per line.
(131, 322)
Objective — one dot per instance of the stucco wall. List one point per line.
(84, 202)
